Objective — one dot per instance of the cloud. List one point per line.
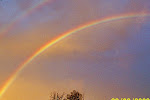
(96, 61)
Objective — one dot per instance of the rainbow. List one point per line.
(16, 73)
(26, 13)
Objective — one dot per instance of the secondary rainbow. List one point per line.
(26, 13)
(64, 35)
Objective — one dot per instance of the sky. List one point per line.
(104, 61)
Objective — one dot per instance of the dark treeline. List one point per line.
(74, 95)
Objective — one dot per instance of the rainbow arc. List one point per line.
(64, 35)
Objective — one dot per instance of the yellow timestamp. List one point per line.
(130, 99)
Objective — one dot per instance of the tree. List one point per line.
(56, 96)
(74, 95)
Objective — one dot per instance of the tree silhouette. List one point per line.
(74, 95)
(57, 96)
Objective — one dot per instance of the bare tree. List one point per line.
(57, 96)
